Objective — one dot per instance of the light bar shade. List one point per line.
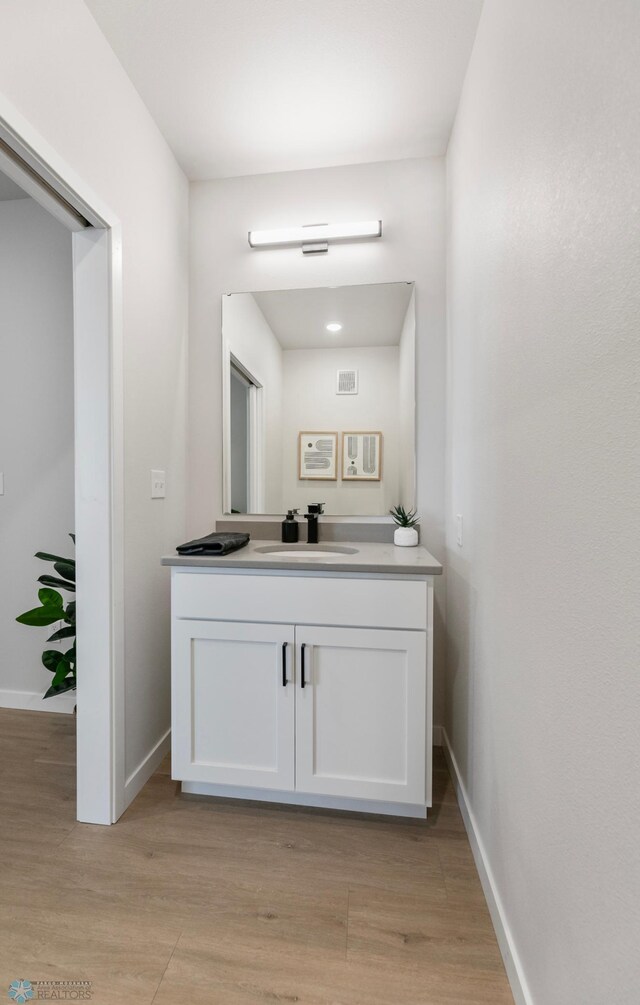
(317, 232)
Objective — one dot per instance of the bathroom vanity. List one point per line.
(304, 675)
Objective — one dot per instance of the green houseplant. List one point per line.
(405, 534)
(54, 608)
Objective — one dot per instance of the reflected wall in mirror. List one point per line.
(335, 363)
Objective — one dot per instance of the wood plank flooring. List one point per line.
(189, 900)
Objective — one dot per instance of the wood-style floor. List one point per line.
(189, 900)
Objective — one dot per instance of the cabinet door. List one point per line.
(361, 716)
(233, 700)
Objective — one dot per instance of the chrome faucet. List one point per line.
(315, 510)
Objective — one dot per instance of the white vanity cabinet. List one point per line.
(302, 687)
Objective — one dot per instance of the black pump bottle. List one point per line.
(290, 527)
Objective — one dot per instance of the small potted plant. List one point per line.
(405, 534)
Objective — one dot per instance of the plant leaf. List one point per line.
(73, 537)
(41, 616)
(70, 613)
(403, 517)
(50, 598)
(67, 570)
(68, 684)
(62, 584)
(46, 557)
(63, 633)
(62, 672)
(51, 659)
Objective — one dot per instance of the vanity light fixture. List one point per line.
(315, 238)
(334, 327)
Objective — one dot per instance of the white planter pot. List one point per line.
(405, 537)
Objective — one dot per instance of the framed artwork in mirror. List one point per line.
(362, 456)
(318, 456)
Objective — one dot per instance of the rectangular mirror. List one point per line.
(319, 399)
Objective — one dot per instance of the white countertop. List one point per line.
(368, 557)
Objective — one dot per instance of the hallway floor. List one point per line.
(232, 904)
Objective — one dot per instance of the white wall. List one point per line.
(61, 75)
(409, 196)
(310, 403)
(36, 434)
(252, 342)
(543, 599)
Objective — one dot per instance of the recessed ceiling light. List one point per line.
(334, 327)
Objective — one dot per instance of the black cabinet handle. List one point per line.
(303, 683)
(284, 664)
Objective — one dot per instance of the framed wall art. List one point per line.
(318, 456)
(362, 456)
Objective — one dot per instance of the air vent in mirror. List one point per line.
(347, 382)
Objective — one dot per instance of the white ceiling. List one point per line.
(9, 190)
(251, 86)
(369, 315)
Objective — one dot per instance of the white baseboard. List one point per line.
(33, 701)
(512, 963)
(436, 740)
(146, 768)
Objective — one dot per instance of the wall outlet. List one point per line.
(158, 484)
(459, 529)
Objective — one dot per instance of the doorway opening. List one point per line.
(89, 475)
(244, 475)
(245, 398)
(37, 477)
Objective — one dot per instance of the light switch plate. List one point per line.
(459, 531)
(158, 484)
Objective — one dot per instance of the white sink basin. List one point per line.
(306, 550)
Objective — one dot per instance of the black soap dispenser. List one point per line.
(290, 527)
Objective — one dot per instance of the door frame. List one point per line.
(35, 165)
(256, 427)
